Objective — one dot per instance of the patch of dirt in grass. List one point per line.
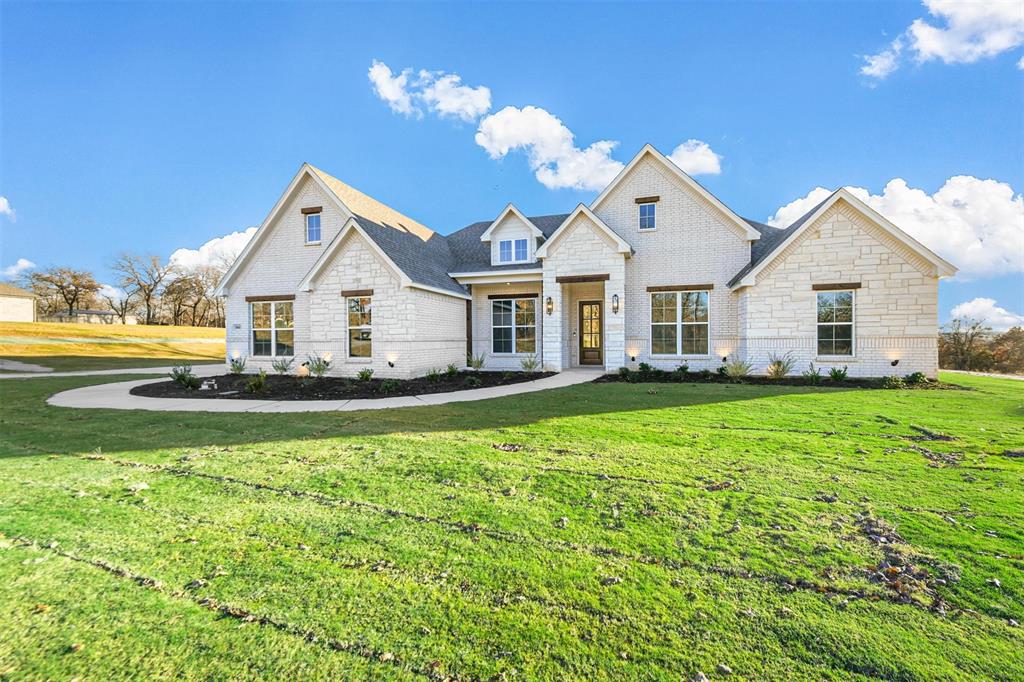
(935, 459)
(925, 434)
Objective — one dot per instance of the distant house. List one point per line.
(16, 305)
(91, 317)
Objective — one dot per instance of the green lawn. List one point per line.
(78, 363)
(611, 531)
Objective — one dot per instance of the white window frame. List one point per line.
(319, 228)
(514, 326)
(349, 328)
(511, 251)
(653, 217)
(272, 329)
(513, 248)
(679, 324)
(852, 323)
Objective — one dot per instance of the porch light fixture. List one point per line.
(895, 362)
(391, 363)
(549, 305)
(615, 303)
(391, 359)
(725, 358)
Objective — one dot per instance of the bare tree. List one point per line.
(143, 277)
(961, 343)
(122, 305)
(181, 295)
(77, 288)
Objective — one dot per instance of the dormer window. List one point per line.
(312, 228)
(647, 216)
(513, 251)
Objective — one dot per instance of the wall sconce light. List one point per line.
(391, 363)
(391, 359)
(549, 305)
(615, 303)
(632, 358)
(895, 362)
(725, 358)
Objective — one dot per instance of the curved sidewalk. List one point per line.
(116, 396)
(204, 370)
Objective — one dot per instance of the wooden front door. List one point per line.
(591, 333)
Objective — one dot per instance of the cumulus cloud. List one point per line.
(5, 208)
(696, 158)
(978, 225)
(111, 292)
(550, 148)
(986, 310)
(219, 252)
(1020, 64)
(963, 32)
(20, 266)
(440, 92)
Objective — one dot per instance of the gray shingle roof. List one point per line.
(472, 255)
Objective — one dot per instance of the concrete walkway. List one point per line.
(116, 396)
(198, 370)
(18, 366)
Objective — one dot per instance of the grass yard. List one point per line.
(73, 347)
(603, 531)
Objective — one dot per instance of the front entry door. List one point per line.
(591, 334)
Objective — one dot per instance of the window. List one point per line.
(505, 251)
(835, 323)
(647, 216)
(508, 248)
(679, 323)
(521, 249)
(360, 334)
(313, 228)
(273, 328)
(514, 325)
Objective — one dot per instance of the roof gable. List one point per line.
(510, 209)
(621, 245)
(649, 151)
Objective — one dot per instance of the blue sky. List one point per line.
(153, 127)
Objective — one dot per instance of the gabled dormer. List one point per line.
(512, 237)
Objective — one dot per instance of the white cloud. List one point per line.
(111, 292)
(14, 271)
(445, 95)
(219, 252)
(978, 225)
(986, 310)
(5, 208)
(966, 32)
(394, 90)
(1020, 64)
(549, 144)
(696, 158)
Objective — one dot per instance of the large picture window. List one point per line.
(835, 323)
(514, 325)
(679, 323)
(360, 332)
(273, 328)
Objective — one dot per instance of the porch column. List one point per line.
(552, 324)
(615, 322)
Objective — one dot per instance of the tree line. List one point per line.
(970, 345)
(150, 290)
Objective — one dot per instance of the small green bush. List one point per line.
(644, 368)
(317, 365)
(916, 378)
(237, 365)
(451, 370)
(282, 365)
(722, 371)
(183, 376)
(475, 361)
(705, 374)
(473, 380)
(434, 374)
(837, 373)
(530, 364)
(893, 381)
(738, 369)
(624, 372)
(682, 369)
(812, 375)
(365, 374)
(388, 386)
(257, 382)
(780, 365)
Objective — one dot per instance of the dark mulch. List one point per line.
(234, 386)
(663, 377)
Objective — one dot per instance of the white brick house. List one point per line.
(654, 270)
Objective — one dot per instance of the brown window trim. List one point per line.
(278, 297)
(498, 297)
(648, 200)
(356, 293)
(683, 287)
(577, 279)
(312, 209)
(839, 286)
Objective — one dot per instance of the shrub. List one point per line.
(530, 364)
(237, 365)
(282, 365)
(893, 382)
(721, 370)
(705, 374)
(644, 368)
(317, 365)
(508, 376)
(475, 361)
(434, 374)
(812, 375)
(738, 369)
(624, 373)
(388, 386)
(682, 369)
(916, 378)
(257, 382)
(780, 365)
(451, 370)
(365, 374)
(473, 380)
(837, 374)
(183, 376)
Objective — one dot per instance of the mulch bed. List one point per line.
(663, 377)
(234, 386)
